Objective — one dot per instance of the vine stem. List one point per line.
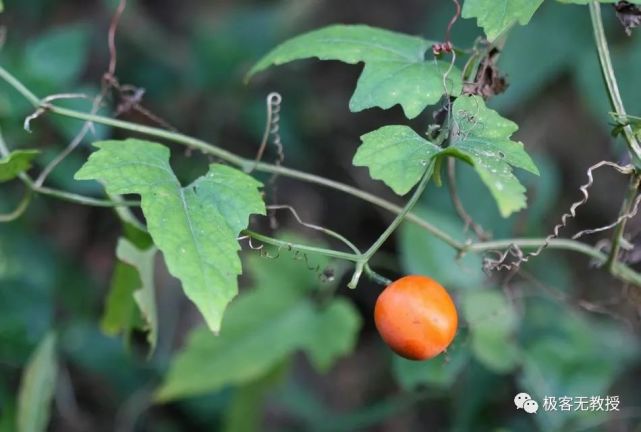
(311, 249)
(20, 209)
(399, 218)
(626, 208)
(369, 253)
(243, 163)
(618, 270)
(607, 70)
(63, 195)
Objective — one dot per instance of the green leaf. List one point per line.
(413, 86)
(498, 353)
(396, 155)
(492, 323)
(482, 137)
(37, 387)
(1, 6)
(195, 226)
(17, 162)
(261, 329)
(133, 281)
(269, 331)
(334, 332)
(539, 39)
(119, 312)
(496, 16)
(440, 372)
(396, 69)
(58, 56)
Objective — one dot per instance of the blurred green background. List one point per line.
(560, 327)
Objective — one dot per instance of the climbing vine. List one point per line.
(200, 227)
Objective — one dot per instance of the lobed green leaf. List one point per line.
(483, 136)
(396, 69)
(497, 16)
(196, 226)
(15, 163)
(262, 329)
(396, 155)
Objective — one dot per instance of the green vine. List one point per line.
(617, 269)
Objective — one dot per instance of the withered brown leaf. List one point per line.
(488, 81)
(629, 15)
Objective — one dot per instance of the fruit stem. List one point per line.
(379, 279)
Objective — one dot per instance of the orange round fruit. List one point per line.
(416, 317)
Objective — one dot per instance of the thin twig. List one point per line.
(20, 209)
(455, 17)
(458, 205)
(97, 102)
(63, 195)
(44, 106)
(111, 37)
(318, 228)
(75, 142)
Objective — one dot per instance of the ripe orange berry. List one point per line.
(416, 317)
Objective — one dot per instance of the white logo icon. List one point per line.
(530, 406)
(526, 403)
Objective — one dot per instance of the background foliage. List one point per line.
(559, 328)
